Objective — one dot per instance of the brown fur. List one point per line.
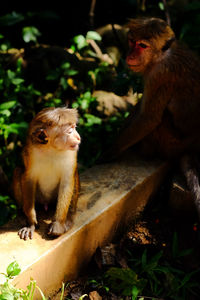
(169, 116)
(169, 119)
(50, 169)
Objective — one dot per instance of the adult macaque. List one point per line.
(50, 169)
(169, 120)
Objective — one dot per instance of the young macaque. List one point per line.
(50, 169)
(169, 120)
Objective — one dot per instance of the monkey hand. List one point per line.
(56, 228)
(26, 232)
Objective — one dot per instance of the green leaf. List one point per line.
(83, 296)
(11, 19)
(11, 74)
(4, 47)
(41, 293)
(84, 104)
(65, 65)
(144, 258)
(3, 198)
(175, 249)
(161, 6)
(87, 95)
(5, 112)
(63, 83)
(7, 296)
(75, 105)
(135, 292)
(17, 81)
(30, 34)
(80, 41)
(7, 105)
(15, 127)
(52, 76)
(71, 72)
(93, 35)
(92, 120)
(13, 269)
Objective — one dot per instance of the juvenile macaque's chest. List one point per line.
(49, 170)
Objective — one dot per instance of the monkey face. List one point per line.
(140, 55)
(66, 138)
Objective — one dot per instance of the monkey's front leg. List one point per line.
(28, 194)
(60, 225)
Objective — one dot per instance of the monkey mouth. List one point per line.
(74, 147)
(133, 66)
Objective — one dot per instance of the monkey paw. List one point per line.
(56, 228)
(26, 232)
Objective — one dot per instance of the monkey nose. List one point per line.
(78, 138)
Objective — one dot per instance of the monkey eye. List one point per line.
(142, 45)
(71, 129)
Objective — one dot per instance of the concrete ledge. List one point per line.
(111, 194)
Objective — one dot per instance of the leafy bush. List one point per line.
(10, 292)
(20, 101)
(155, 275)
(17, 103)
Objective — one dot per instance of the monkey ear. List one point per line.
(41, 136)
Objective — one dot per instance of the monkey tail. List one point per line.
(189, 167)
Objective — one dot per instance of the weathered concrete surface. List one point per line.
(111, 194)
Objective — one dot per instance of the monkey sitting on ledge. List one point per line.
(50, 169)
(169, 120)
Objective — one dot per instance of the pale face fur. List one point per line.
(63, 138)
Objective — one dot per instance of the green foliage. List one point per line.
(161, 6)
(93, 128)
(80, 42)
(30, 34)
(20, 101)
(7, 209)
(17, 101)
(155, 276)
(176, 252)
(13, 270)
(190, 30)
(125, 282)
(99, 74)
(5, 45)
(11, 19)
(6, 127)
(10, 292)
(64, 76)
